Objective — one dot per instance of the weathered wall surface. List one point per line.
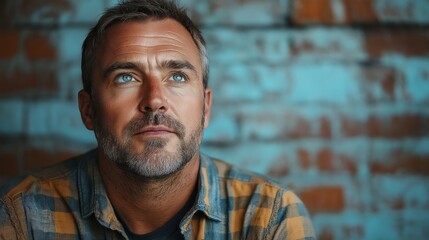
(328, 96)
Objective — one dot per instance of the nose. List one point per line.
(152, 97)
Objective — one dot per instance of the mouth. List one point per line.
(155, 131)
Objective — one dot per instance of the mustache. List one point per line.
(155, 118)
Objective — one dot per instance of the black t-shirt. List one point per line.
(169, 230)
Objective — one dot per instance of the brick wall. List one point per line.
(328, 96)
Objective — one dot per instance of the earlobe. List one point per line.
(85, 109)
(208, 104)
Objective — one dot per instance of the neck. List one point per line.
(146, 204)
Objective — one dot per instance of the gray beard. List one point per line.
(153, 162)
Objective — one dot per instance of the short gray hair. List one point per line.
(138, 10)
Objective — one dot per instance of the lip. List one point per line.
(155, 130)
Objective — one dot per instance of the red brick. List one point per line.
(300, 130)
(55, 8)
(325, 128)
(379, 77)
(353, 232)
(9, 43)
(38, 158)
(399, 126)
(255, 123)
(360, 11)
(347, 163)
(312, 11)
(410, 42)
(302, 47)
(23, 83)
(396, 126)
(280, 169)
(9, 164)
(327, 161)
(402, 162)
(396, 204)
(406, 12)
(328, 199)
(324, 160)
(39, 47)
(325, 234)
(303, 158)
(352, 128)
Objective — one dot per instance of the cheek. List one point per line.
(189, 112)
(113, 114)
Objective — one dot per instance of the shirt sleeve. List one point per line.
(291, 220)
(7, 230)
(12, 219)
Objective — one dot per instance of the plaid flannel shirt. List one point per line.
(69, 201)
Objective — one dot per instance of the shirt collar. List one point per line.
(87, 182)
(208, 199)
(92, 193)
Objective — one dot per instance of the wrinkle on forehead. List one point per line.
(152, 31)
(149, 42)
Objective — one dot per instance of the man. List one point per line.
(145, 96)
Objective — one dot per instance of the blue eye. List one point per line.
(124, 78)
(178, 77)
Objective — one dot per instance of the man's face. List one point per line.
(148, 104)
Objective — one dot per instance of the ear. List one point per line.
(208, 104)
(85, 109)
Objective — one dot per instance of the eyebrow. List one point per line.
(177, 64)
(119, 65)
(167, 64)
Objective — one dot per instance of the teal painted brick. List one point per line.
(40, 115)
(87, 11)
(234, 12)
(222, 128)
(416, 224)
(346, 225)
(383, 226)
(275, 121)
(57, 12)
(380, 83)
(324, 82)
(57, 119)
(247, 82)
(328, 43)
(12, 117)
(110, 3)
(49, 13)
(415, 72)
(411, 11)
(254, 156)
(381, 149)
(70, 80)
(70, 43)
(69, 51)
(268, 156)
(393, 193)
(338, 10)
(226, 46)
(237, 12)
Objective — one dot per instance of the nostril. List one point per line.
(155, 106)
(152, 97)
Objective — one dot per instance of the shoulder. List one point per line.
(237, 181)
(42, 180)
(270, 203)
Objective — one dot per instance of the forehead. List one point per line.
(151, 38)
